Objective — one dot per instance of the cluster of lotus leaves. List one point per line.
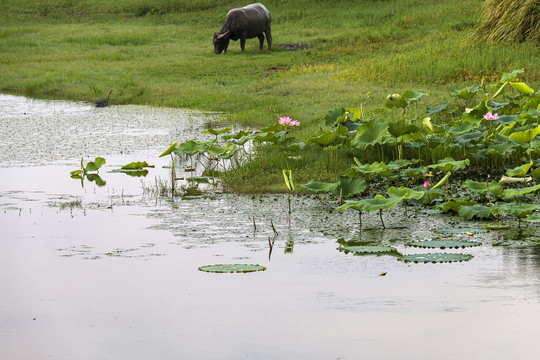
(232, 268)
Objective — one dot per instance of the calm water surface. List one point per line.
(112, 272)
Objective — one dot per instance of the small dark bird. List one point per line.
(102, 102)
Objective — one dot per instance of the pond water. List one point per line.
(111, 272)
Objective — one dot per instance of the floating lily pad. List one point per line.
(367, 249)
(443, 244)
(459, 230)
(232, 268)
(435, 258)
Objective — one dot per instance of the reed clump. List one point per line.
(509, 21)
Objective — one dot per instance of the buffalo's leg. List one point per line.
(261, 41)
(268, 33)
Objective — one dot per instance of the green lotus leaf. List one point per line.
(229, 154)
(460, 128)
(216, 150)
(94, 165)
(217, 131)
(349, 186)
(443, 244)
(448, 164)
(232, 268)
(522, 210)
(169, 149)
(458, 230)
(495, 227)
(525, 136)
(501, 149)
(455, 205)
(478, 211)
(482, 188)
(519, 171)
(522, 88)
(415, 173)
(370, 133)
(287, 176)
(427, 124)
(401, 163)
(332, 116)
(135, 165)
(521, 191)
(236, 136)
(375, 168)
(435, 258)
(191, 148)
(533, 218)
(76, 172)
(328, 138)
(368, 249)
(469, 139)
(320, 187)
(404, 193)
(294, 146)
(441, 109)
(371, 204)
(401, 127)
(466, 93)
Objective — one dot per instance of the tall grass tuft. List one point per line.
(509, 21)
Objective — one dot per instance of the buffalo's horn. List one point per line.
(221, 36)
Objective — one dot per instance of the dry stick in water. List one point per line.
(273, 228)
(254, 226)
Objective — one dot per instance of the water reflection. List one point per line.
(111, 272)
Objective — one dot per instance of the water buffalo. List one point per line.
(244, 23)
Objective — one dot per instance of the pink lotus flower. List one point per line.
(295, 123)
(284, 120)
(426, 184)
(490, 116)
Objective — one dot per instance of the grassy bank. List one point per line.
(159, 52)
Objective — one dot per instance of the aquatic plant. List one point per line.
(443, 244)
(368, 249)
(435, 258)
(232, 268)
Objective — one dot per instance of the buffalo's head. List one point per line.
(221, 41)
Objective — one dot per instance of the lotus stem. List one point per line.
(380, 215)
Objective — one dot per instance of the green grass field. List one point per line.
(159, 52)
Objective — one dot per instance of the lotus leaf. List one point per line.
(460, 128)
(448, 164)
(375, 168)
(98, 180)
(525, 136)
(217, 131)
(470, 138)
(482, 188)
(521, 211)
(237, 136)
(466, 93)
(350, 186)
(455, 205)
(501, 149)
(190, 148)
(441, 109)
(169, 149)
(533, 218)
(328, 138)
(320, 187)
(401, 127)
(522, 88)
(479, 211)
(396, 100)
(521, 191)
(216, 150)
(135, 165)
(367, 249)
(458, 230)
(287, 175)
(519, 171)
(370, 133)
(435, 258)
(496, 227)
(371, 204)
(443, 244)
(333, 115)
(132, 172)
(232, 268)
(404, 193)
(94, 165)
